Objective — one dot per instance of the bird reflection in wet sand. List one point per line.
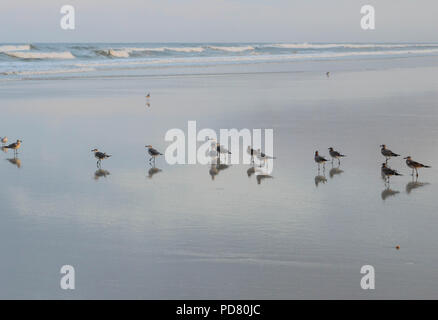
(101, 173)
(262, 174)
(250, 171)
(388, 192)
(335, 171)
(320, 179)
(15, 161)
(415, 184)
(152, 171)
(5, 150)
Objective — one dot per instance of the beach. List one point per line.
(178, 234)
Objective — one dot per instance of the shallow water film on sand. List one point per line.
(88, 185)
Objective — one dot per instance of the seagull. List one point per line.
(221, 149)
(319, 159)
(263, 157)
(15, 146)
(414, 165)
(387, 153)
(252, 153)
(153, 153)
(4, 140)
(100, 156)
(387, 172)
(335, 155)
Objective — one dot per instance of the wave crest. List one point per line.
(41, 55)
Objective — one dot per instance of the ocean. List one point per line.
(46, 60)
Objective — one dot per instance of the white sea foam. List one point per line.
(162, 49)
(232, 49)
(7, 48)
(55, 71)
(41, 55)
(344, 45)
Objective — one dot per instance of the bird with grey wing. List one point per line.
(336, 155)
(100, 156)
(387, 153)
(414, 165)
(14, 146)
(153, 153)
(263, 157)
(319, 159)
(387, 172)
(4, 140)
(221, 150)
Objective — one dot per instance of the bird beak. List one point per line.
(405, 157)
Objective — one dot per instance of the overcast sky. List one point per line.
(218, 21)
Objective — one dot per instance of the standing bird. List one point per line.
(221, 150)
(100, 156)
(252, 153)
(387, 153)
(414, 165)
(327, 74)
(388, 172)
(148, 95)
(319, 159)
(263, 157)
(335, 155)
(4, 140)
(14, 146)
(153, 153)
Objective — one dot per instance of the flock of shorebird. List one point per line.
(387, 172)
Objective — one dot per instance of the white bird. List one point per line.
(4, 140)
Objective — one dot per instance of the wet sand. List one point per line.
(180, 234)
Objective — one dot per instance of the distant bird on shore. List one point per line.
(262, 156)
(414, 165)
(153, 153)
(388, 172)
(148, 95)
(221, 149)
(327, 74)
(335, 155)
(4, 140)
(319, 159)
(14, 146)
(251, 152)
(100, 156)
(387, 153)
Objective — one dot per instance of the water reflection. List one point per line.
(15, 161)
(152, 171)
(415, 184)
(5, 150)
(101, 173)
(388, 192)
(262, 174)
(250, 171)
(335, 171)
(320, 179)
